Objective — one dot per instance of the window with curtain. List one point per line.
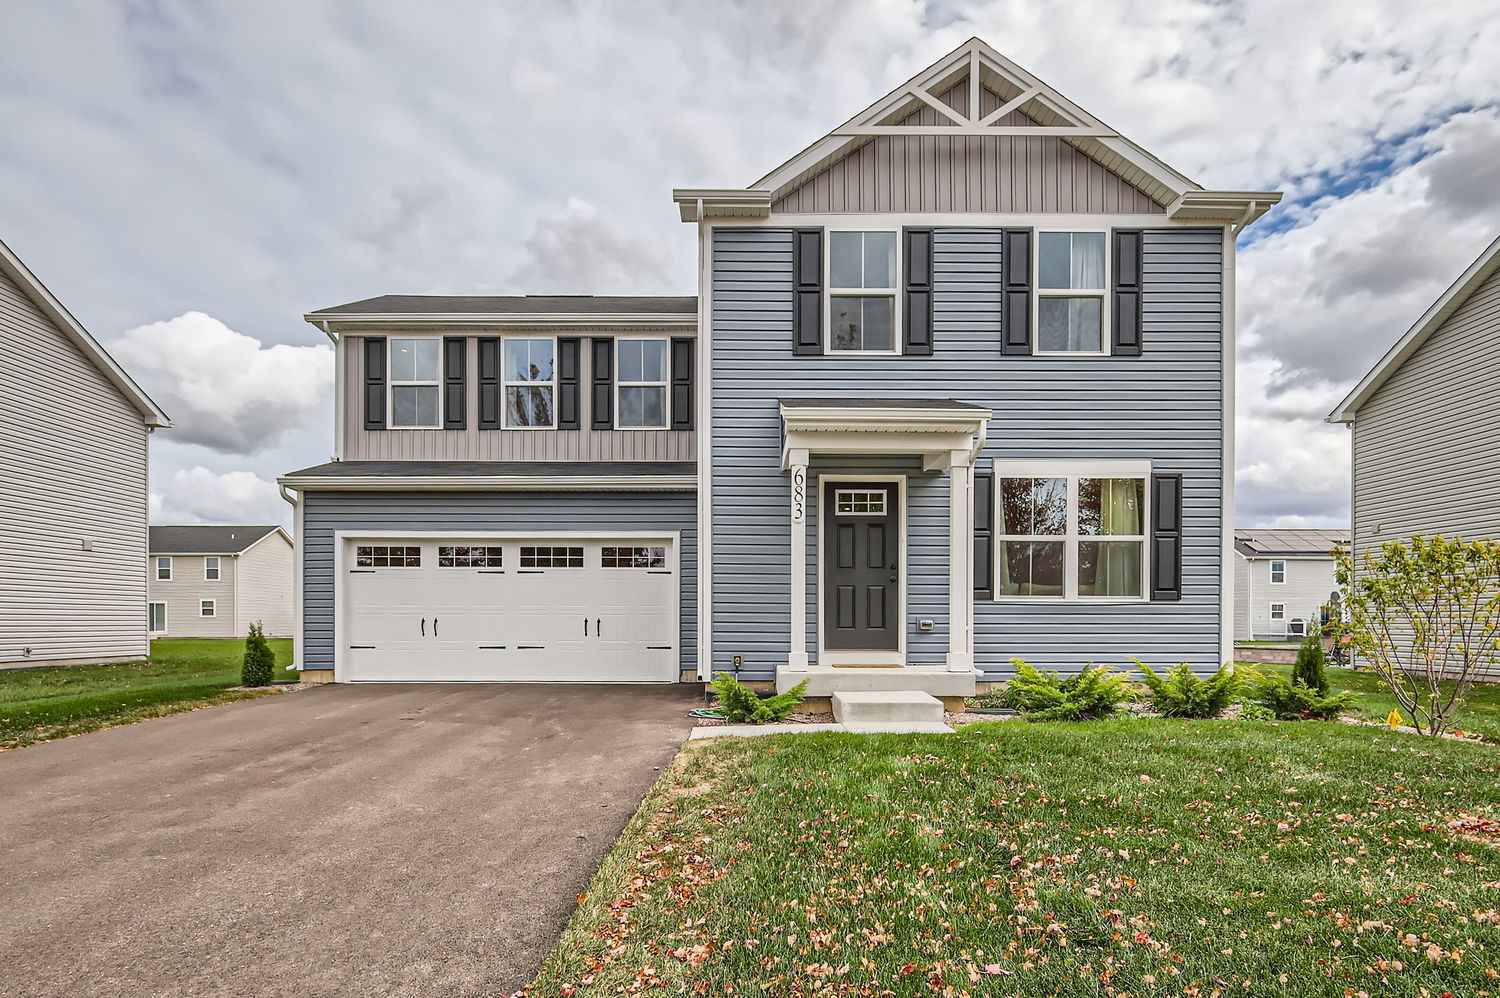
(1073, 537)
(1071, 287)
(862, 292)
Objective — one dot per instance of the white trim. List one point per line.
(1227, 363)
(340, 391)
(299, 561)
(218, 575)
(665, 384)
(345, 322)
(212, 605)
(893, 292)
(342, 540)
(157, 567)
(165, 624)
(1101, 293)
(481, 483)
(506, 385)
(876, 220)
(391, 384)
(827, 656)
(704, 426)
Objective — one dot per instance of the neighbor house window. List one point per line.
(1278, 611)
(207, 608)
(633, 557)
(1071, 537)
(1278, 572)
(211, 569)
(416, 370)
(1070, 292)
(156, 617)
(164, 569)
(388, 556)
(552, 557)
(530, 383)
(862, 291)
(641, 381)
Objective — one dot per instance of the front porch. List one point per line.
(861, 641)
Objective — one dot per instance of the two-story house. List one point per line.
(215, 581)
(956, 387)
(1283, 578)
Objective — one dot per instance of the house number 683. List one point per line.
(799, 493)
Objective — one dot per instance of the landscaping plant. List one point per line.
(1420, 613)
(1180, 693)
(1293, 700)
(742, 705)
(260, 660)
(1309, 667)
(1095, 692)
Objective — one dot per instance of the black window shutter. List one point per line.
(455, 385)
(682, 383)
(569, 405)
(602, 398)
(807, 292)
(1125, 315)
(489, 383)
(1015, 316)
(1166, 537)
(916, 316)
(984, 534)
(374, 382)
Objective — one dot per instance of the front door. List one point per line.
(862, 566)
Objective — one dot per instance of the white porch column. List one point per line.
(796, 659)
(960, 558)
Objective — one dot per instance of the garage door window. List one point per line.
(551, 557)
(383, 556)
(634, 557)
(469, 557)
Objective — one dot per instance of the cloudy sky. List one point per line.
(190, 178)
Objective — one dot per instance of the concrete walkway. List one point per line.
(351, 840)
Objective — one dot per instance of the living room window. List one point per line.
(862, 292)
(1071, 291)
(416, 374)
(1071, 537)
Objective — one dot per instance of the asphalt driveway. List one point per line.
(349, 840)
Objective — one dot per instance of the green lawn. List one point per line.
(1479, 716)
(182, 674)
(1127, 858)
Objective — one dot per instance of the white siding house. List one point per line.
(214, 581)
(1282, 580)
(73, 454)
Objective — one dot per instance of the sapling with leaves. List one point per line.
(1425, 615)
(260, 661)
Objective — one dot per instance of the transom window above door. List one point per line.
(530, 383)
(416, 373)
(859, 502)
(862, 292)
(641, 381)
(1071, 289)
(1071, 537)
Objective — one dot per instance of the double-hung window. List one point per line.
(862, 292)
(1071, 537)
(641, 381)
(164, 569)
(416, 375)
(530, 381)
(211, 568)
(1278, 573)
(208, 608)
(1071, 291)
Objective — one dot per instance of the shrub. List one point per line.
(260, 660)
(1095, 692)
(1292, 699)
(741, 705)
(1309, 668)
(1180, 693)
(1255, 712)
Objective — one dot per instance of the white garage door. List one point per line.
(549, 609)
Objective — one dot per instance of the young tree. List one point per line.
(1309, 666)
(1423, 612)
(260, 660)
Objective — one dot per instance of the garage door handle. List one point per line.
(434, 627)
(424, 627)
(598, 628)
(585, 627)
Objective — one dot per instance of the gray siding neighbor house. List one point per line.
(956, 388)
(1282, 580)
(74, 430)
(215, 581)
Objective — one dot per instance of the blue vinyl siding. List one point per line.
(324, 513)
(1165, 406)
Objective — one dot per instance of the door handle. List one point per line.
(424, 627)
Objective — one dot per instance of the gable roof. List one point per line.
(207, 539)
(12, 267)
(1017, 89)
(1450, 301)
(1264, 543)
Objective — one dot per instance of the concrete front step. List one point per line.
(824, 681)
(887, 707)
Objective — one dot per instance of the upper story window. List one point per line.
(416, 371)
(641, 384)
(1278, 573)
(211, 568)
(530, 383)
(164, 569)
(862, 292)
(1071, 537)
(1071, 288)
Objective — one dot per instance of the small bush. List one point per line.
(741, 705)
(1292, 699)
(1310, 664)
(1095, 692)
(1255, 712)
(1180, 693)
(260, 660)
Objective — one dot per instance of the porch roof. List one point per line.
(934, 429)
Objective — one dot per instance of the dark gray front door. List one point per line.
(862, 566)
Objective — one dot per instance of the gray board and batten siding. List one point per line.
(546, 513)
(1165, 406)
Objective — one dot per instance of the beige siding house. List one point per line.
(73, 453)
(214, 582)
(1282, 580)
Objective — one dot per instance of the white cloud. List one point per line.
(198, 495)
(578, 250)
(223, 389)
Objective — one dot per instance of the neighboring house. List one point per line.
(74, 432)
(957, 387)
(1282, 579)
(214, 582)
